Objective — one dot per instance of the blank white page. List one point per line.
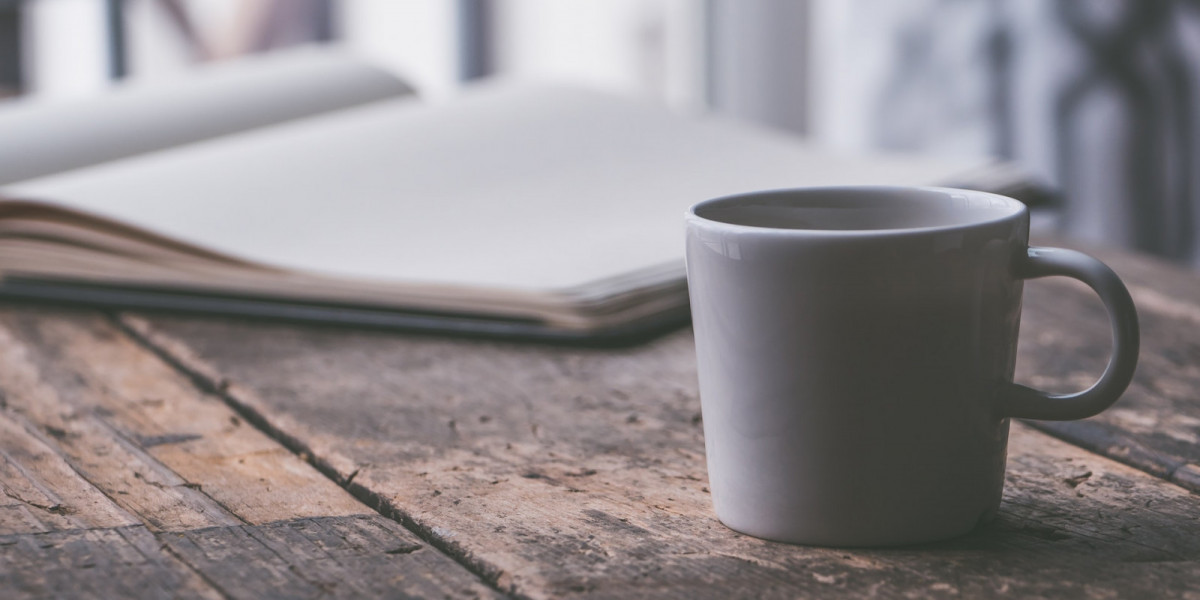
(42, 137)
(528, 188)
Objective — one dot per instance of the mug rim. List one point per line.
(1018, 211)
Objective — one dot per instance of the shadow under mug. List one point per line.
(856, 348)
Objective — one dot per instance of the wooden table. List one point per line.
(157, 456)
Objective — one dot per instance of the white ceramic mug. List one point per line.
(856, 349)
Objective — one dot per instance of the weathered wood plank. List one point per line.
(60, 536)
(121, 479)
(41, 491)
(574, 472)
(316, 557)
(123, 562)
(1065, 344)
(145, 436)
(365, 556)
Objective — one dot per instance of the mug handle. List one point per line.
(1027, 403)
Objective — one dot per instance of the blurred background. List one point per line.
(1095, 98)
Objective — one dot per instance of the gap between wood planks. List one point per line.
(212, 382)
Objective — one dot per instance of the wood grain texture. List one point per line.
(316, 557)
(143, 434)
(41, 491)
(319, 557)
(121, 479)
(1066, 343)
(123, 562)
(580, 473)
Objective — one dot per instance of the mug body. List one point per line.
(851, 343)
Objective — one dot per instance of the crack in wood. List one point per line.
(170, 438)
(406, 549)
(1075, 480)
(58, 509)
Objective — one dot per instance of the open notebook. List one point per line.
(537, 211)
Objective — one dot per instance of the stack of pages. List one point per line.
(536, 211)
